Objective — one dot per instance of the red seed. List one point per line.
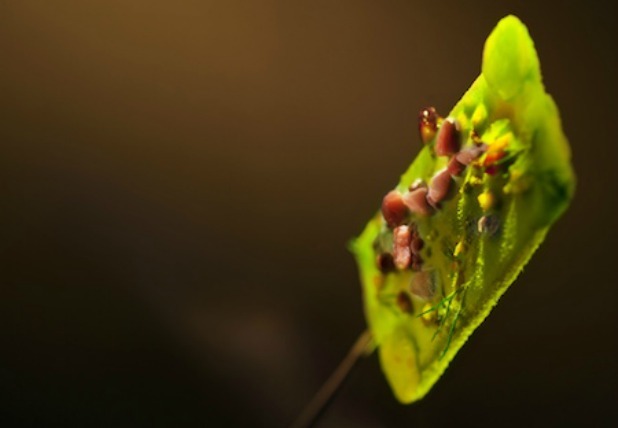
(454, 167)
(401, 247)
(439, 187)
(427, 124)
(448, 138)
(416, 201)
(393, 209)
(404, 302)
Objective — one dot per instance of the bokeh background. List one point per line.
(178, 181)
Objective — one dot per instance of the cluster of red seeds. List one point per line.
(420, 199)
(444, 136)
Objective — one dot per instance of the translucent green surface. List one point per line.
(478, 240)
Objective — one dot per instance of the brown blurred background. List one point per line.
(178, 181)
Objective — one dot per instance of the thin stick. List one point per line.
(326, 393)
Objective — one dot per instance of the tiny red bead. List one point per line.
(448, 138)
(427, 124)
(439, 187)
(393, 208)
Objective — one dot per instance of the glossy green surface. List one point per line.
(471, 265)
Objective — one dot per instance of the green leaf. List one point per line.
(510, 178)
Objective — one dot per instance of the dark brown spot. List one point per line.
(385, 262)
(416, 201)
(448, 138)
(492, 169)
(417, 244)
(439, 187)
(428, 124)
(401, 247)
(393, 209)
(416, 262)
(423, 285)
(404, 302)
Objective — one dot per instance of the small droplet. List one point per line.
(393, 209)
(488, 224)
(448, 138)
(401, 247)
(416, 201)
(404, 302)
(428, 124)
